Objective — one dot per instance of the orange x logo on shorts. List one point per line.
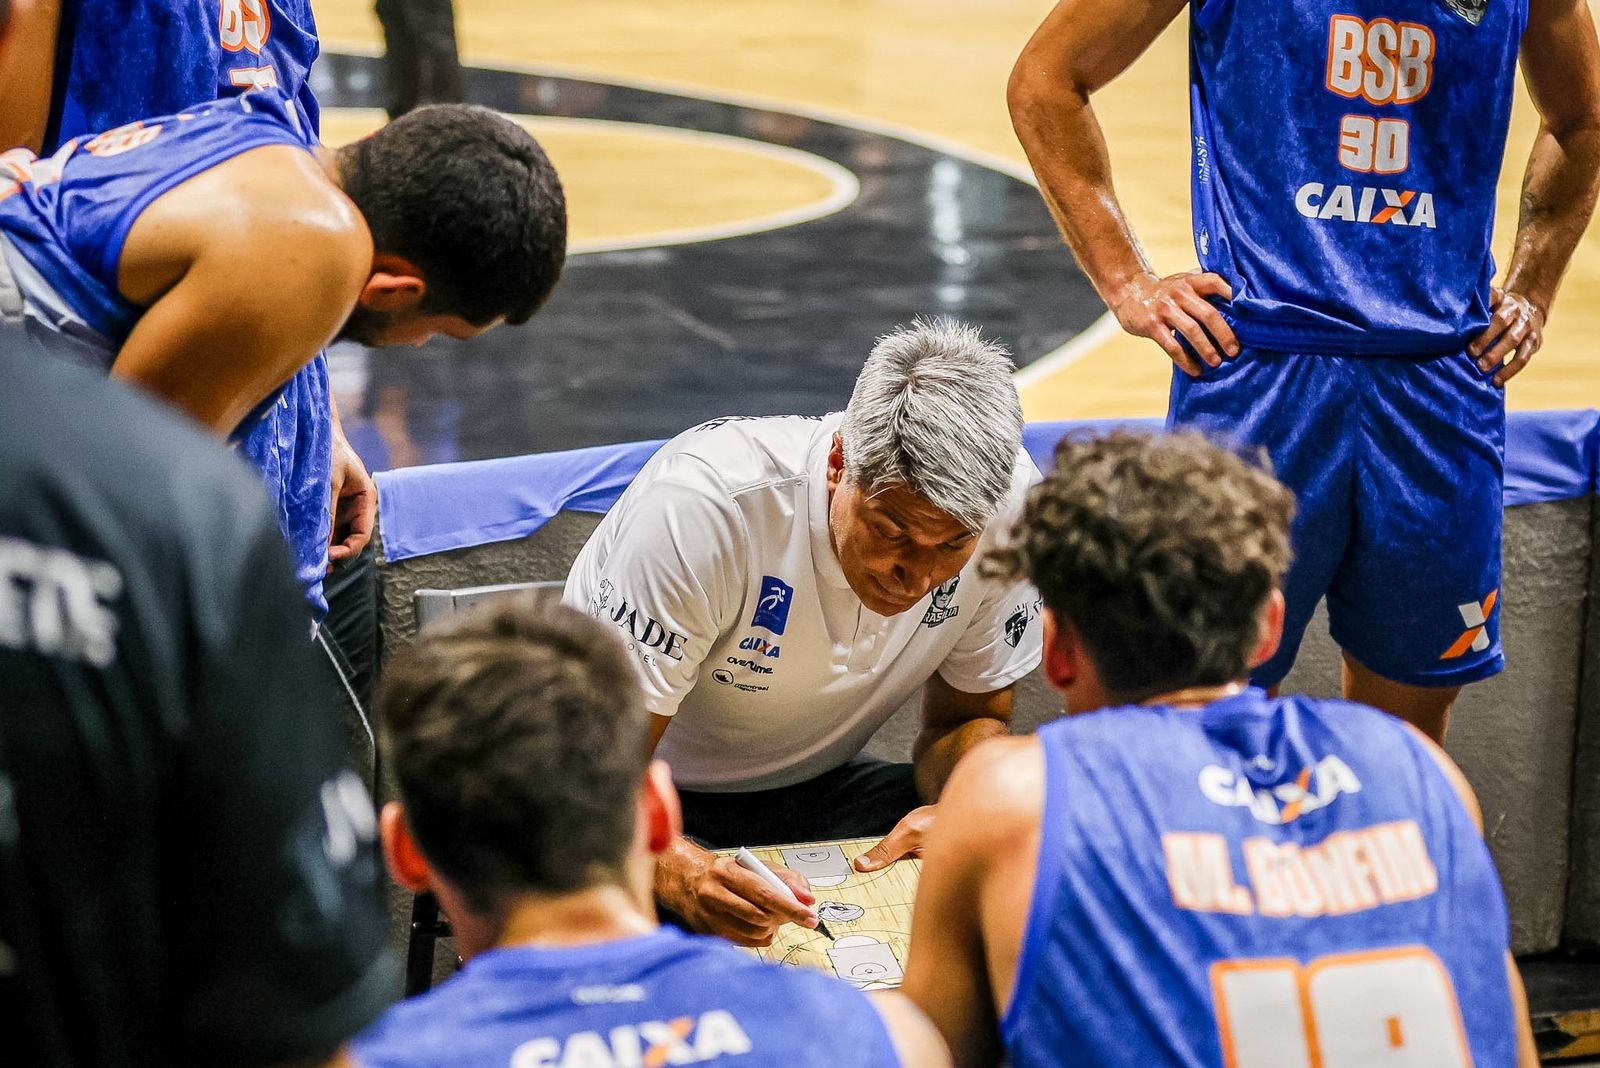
(1476, 617)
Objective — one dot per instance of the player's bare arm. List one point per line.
(953, 723)
(213, 342)
(355, 496)
(915, 1039)
(28, 74)
(972, 901)
(1079, 48)
(1527, 1050)
(1561, 64)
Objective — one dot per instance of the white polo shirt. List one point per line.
(717, 566)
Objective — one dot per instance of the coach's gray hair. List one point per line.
(935, 410)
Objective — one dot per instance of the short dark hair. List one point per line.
(1161, 551)
(519, 739)
(5, 14)
(470, 198)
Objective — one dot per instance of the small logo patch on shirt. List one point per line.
(941, 609)
(772, 606)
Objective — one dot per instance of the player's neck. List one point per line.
(597, 914)
(1196, 696)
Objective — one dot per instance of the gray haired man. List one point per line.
(785, 584)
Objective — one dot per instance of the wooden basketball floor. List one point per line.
(751, 206)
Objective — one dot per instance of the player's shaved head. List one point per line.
(1160, 551)
(519, 740)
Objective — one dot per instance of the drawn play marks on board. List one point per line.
(868, 912)
(823, 866)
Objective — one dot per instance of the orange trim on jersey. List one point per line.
(1219, 971)
(1361, 39)
(1361, 64)
(659, 1054)
(1292, 809)
(1394, 209)
(1375, 956)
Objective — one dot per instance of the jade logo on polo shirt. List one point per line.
(608, 602)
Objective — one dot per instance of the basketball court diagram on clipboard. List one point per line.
(869, 913)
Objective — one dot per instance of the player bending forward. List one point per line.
(1185, 871)
(531, 807)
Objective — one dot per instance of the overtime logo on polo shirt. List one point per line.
(772, 606)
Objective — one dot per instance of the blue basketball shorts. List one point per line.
(1398, 467)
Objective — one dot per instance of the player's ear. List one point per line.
(406, 863)
(659, 810)
(836, 462)
(1060, 651)
(1271, 630)
(395, 285)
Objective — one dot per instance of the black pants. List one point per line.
(420, 63)
(863, 798)
(351, 646)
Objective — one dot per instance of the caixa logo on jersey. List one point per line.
(1375, 205)
(1315, 787)
(685, 1040)
(941, 609)
(642, 627)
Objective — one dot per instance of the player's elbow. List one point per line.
(1039, 91)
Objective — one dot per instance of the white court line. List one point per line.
(1096, 334)
(1076, 348)
(843, 191)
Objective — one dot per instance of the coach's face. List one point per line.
(893, 546)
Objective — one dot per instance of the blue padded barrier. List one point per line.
(1550, 456)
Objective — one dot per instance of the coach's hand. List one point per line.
(724, 899)
(355, 501)
(904, 841)
(1516, 330)
(1162, 308)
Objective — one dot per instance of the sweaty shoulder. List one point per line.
(272, 204)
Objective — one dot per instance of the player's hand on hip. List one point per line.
(904, 841)
(1516, 330)
(355, 502)
(733, 902)
(1162, 309)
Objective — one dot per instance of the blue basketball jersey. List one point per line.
(1345, 163)
(1262, 882)
(125, 60)
(665, 998)
(69, 214)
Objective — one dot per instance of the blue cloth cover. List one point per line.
(1550, 456)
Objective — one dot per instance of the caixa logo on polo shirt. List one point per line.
(642, 627)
